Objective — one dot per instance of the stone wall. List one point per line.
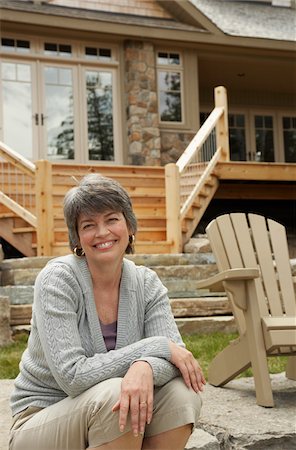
(173, 145)
(141, 101)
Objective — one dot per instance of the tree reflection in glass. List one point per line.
(59, 116)
(169, 84)
(99, 115)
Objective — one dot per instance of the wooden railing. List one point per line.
(14, 171)
(186, 179)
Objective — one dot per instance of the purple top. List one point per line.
(109, 332)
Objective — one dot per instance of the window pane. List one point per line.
(170, 107)
(289, 130)
(240, 120)
(258, 121)
(100, 115)
(65, 77)
(59, 116)
(51, 75)
(237, 137)
(17, 110)
(23, 72)
(171, 81)
(264, 138)
(264, 146)
(91, 52)
(105, 53)
(174, 58)
(5, 42)
(237, 142)
(9, 71)
(268, 121)
(163, 58)
(50, 49)
(65, 50)
(286, 123)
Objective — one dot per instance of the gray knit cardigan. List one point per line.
(66, 351)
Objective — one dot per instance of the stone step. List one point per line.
(23, 295)
(181, 307)
(187, 325)
(26, 276)
(141, 259)
(206, 325)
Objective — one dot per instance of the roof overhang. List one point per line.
(128, 26)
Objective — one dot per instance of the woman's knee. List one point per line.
(177, 393)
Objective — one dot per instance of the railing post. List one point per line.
(222, 125)
(172, 191)
(44, 208)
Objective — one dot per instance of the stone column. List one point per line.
(141, 100)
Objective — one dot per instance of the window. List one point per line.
(57, 49)
(170, 87)
(237, 137)
(15, 45)
(289, 132)
(64, 100)
(103, 54)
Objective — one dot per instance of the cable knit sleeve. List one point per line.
(57, 301)
(159, 321)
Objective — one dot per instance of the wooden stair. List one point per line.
(18, 233)
(199, 206)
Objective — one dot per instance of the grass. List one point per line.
(10, 356)
(204, 347)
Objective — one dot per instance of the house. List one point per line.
(128, 83)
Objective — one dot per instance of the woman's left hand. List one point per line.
(136, 397)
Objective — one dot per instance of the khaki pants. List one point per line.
(87, 420)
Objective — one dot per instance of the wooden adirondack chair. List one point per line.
(253, 262)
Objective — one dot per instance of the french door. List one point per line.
(59, 111)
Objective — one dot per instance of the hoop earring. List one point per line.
(131, 241)
(78, 251)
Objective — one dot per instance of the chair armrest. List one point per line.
(228, 275)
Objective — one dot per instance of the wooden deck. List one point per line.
(256, 181)
(146, 186)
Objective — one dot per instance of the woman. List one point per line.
(105, 366)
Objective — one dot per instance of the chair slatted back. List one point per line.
(220, 233)
(250, 241)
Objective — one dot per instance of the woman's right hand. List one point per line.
(188, 366)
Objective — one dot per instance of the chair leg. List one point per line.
(291, 368)
(229, 363)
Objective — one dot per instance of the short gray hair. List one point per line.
(95, 194)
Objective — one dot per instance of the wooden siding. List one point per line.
(147, 8)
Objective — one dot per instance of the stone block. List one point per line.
(200, 439)
(5, 331)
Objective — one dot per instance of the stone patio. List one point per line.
(230, 417)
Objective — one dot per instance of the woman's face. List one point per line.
(103, 236)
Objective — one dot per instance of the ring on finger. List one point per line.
(143, 403)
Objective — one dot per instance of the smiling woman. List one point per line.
(105, 367)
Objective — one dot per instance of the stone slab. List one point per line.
(233, 417)
(230, 418)
(206, 325)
